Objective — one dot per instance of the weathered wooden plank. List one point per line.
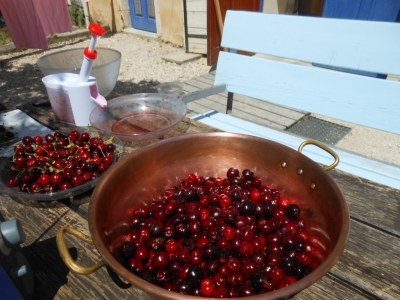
(206, 79)
(198, 31)
(218, 103)
(197, 48)
(197, 19)
(196, 5)
(289, 112)
(329, 287)
(371, 261)
(210, 75)
(198, 42)
(194, 108)
(369, 202)
(256, 114)
(258, 104)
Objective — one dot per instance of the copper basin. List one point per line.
(143, 175)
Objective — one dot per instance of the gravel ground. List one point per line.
(141, 70)
(141, 67)
(369, 142)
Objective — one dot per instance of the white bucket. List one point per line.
(70, 99)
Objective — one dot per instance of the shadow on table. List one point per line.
(50, 272)
(41, 204)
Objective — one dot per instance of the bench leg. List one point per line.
(229, 103)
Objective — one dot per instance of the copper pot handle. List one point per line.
(327, 149)
(65, 255)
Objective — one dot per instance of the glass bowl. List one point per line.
(105, 67)
(139, 117)
(14, 192)
(174, 88)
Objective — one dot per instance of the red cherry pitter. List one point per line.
(89, 55)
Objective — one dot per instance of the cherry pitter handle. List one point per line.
(89, 54)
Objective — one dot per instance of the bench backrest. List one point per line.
(359, 45)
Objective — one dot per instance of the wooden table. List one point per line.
(368, 268)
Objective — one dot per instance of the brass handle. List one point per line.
(327, 149)
(66, 257)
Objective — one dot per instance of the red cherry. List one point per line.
(304, 258)
(49, 138)
(20, 162)
(65, 185)
(142, 253)
(77, 180)
(246, 248)
(102, 167)
(59, 164)
(44, 180)
(42, 159)
(277, 274)
(13, 182)
(229, 232)
(192, 178)
(28, 148)
(85, 136)
(225, 201)
(283, 202)
(35, 188)
(72, 137)
(38, 140)
(207, 287)
(56, 178)
(160, 259)
(135, 265)
(96, 160)
(27, 140)
(85, 156)
(171, 246)
(61, 143)
(87, 176)
(255, 195)
(31, 163)
(220, 292)
(76, 133)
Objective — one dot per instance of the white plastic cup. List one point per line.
(70, 99)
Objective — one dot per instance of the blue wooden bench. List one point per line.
(358, 45)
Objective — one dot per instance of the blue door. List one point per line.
(143, 15)
(373, 10)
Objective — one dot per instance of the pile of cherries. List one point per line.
(221, 238)
(58, 162)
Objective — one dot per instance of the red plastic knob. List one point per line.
(97, 30)
(90, 54)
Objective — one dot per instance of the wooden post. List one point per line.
(219, 19)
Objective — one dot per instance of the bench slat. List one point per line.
(356, 99)
(360, 45)
(352, 163)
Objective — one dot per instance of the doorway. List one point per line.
(143, 15)
(213, 35)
